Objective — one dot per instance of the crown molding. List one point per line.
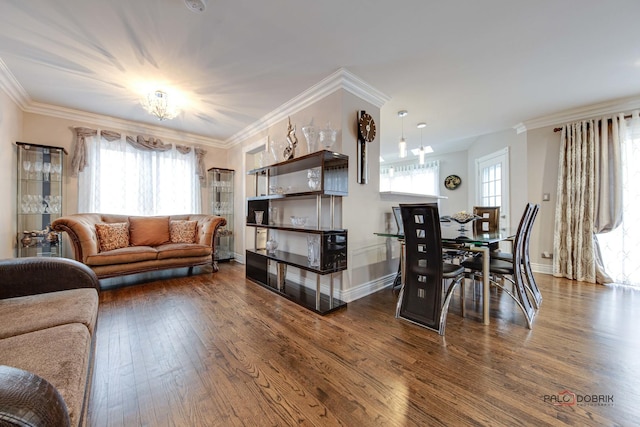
(581, 113)
(121, 124)
(10, 85)
(341, 79)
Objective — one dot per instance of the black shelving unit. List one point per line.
(331, 175)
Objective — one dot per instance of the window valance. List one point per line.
(79, 159)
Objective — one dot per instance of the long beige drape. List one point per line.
(589, 197)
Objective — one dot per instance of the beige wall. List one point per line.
(47, 130)
(543, 149)
(533, 160)
(533, 165)
(453, 164)
(491, 143)
(241, 159)
(361, 213)
(10, 131)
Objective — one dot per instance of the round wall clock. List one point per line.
(367, 127)
(452, 182)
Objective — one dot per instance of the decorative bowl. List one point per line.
(463, 217)
(298, 221)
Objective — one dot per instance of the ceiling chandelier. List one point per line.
(197, 6)
(402, 145)
(158, 104)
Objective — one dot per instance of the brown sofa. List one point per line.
(151, 245)
(48, 316)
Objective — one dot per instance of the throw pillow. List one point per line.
(183, 231)
(149, 230)
(112, 236)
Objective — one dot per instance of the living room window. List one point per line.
(122, 179)
(411, 178)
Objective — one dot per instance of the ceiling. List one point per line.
(465, 67)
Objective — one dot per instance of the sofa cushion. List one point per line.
(112, 236)
(148, 230)
(30, 313)
(183, 231)
(182, 250)
(123, 256)
(60, 355)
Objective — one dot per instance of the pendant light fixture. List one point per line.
(421, 152)
(402, 145)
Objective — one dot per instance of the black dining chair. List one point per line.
(530, 282)
(502, 270)
(429, 282)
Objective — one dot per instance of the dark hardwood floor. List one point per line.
(217, 350)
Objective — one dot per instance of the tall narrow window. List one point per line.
(493, 183)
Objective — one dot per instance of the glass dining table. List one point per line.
(453, 233)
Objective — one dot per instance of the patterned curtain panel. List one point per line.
(589, 197)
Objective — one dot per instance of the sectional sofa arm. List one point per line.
(208, 226)
(35, 275)
(82, 233)
(29, 400)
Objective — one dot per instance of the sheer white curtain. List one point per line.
(121, 179)
(411, 178)
(620, 247)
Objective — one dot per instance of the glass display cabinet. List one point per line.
(221, 204)
(40, 172)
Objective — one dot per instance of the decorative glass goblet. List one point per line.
(37, 167)
(311, 135)
(26, 164)
(57, 169)
(46, 169)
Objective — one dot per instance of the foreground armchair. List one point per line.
(48, 315)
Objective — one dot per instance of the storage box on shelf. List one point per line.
(318, 247)
(39, 191)
(221, 204)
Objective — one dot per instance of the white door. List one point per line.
(492, 177)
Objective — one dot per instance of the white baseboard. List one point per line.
(368, 288)
(238, 258)
(542, 268)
